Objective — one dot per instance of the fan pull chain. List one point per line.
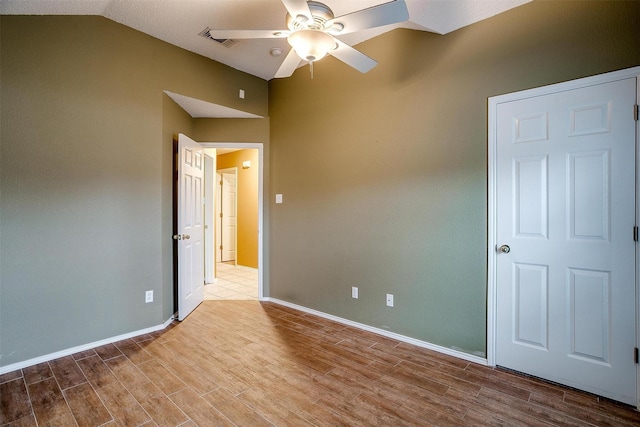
(311, 68)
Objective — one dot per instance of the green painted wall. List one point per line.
(384, 175)
(232, 130)
(86, 176)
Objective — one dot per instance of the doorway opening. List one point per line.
(233, 221)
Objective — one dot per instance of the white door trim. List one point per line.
(260, 147)
(232, 171)
(493, 103)
(209, 229)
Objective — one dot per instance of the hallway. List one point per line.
(234, 282)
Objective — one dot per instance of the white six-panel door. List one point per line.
(565, 254)
(190, 226)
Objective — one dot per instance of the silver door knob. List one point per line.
(505, 249)
(177, 237)
(186, 236)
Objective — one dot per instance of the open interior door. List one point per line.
(190, 225)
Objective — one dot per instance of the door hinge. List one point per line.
(220, 214)
(635, 355)
(635, 233)
(636, 112)
(220, 182)
(220, 247)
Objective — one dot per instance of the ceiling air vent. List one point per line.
(224, 42)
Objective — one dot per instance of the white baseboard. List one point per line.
(73, 350)
(424, 344)
(393, 335)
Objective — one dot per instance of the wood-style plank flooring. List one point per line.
(248, 363)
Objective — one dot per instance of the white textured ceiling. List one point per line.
(179, 22)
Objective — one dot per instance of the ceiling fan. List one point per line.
(312, 27)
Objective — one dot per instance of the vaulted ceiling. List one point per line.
(181, 22)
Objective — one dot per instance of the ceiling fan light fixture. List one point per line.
(311, 45)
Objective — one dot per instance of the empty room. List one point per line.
(443, 221)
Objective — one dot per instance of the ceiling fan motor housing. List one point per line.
(320, 12)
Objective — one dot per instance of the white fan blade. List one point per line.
(289, 65)
(353, 57)
(297, 7)
(248, 34)
(376, 16)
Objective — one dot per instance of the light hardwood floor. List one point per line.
(247, 363)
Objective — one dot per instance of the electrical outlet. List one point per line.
(389, 300)
(354, 292)
(241, 94)
(148, 296)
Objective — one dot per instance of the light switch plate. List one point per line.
(278, 198)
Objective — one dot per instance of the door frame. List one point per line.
(209, 202)
(260, 147)
(493, 103)
(234, 171)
